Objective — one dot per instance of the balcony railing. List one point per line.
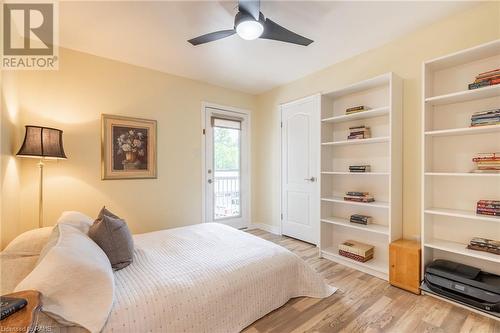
(227, 194)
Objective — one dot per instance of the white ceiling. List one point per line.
(154, 34)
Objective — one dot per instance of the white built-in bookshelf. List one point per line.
(383, 152)
(449, 189)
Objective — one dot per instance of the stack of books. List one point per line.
(356, 250)
(360, 219)
(485, 118)
(359, 132)
(358, 196)
(484, 244)
(487, 163)
(488, 207)
(359, 168)
(485, 79)
(356, 109)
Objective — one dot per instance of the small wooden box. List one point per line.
(404, 265)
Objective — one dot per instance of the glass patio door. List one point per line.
(226, 167)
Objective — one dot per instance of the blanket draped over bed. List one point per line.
(201, 278)
(206, 278)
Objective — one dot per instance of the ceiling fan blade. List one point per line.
(251, 7)
(274, 31)
(213, 36)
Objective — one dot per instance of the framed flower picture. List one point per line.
(128, 147)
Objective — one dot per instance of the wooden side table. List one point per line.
(25, 319)
(404, 265)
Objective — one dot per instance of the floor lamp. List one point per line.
(43, 143)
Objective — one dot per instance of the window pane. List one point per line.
(226, 173)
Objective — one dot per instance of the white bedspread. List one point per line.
(206, 278)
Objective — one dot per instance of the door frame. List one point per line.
(204, 179)
(318, 191)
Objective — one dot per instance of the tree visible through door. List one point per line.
(227, 177)
(227, 171)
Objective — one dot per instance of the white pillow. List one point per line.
(32, 242)
(13, 269)
(79, 220)
(75, 279)
(29, 243)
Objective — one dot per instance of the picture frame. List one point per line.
(128, 147)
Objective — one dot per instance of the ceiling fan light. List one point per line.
(250, 29)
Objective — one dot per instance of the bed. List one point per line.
(201, 278)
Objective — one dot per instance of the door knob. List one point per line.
(210, 181)
(312, 179)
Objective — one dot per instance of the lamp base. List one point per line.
(40, 195)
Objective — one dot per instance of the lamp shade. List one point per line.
(42, 142)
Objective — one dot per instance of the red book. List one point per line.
(488, 72)
(487, 213)
(490, 202)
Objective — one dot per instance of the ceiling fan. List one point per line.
(249, 24)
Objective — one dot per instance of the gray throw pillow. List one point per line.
(113, 236)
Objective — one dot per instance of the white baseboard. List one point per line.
(274, 229)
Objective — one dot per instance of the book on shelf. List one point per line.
(486, 113)
(357, 193)
(487, 213)
(489, 202)
(486, 156)
(360, 219)
(359, 132)
(356, 109)
(485, 245)
(357, 248)
(358, 196)
(485, 242)
(485, 79)
(489, 73)
(354, 256)
(487, 162)
(488, 207)
(359, 199)
(359, 168)
(486, 117)
(485, 171)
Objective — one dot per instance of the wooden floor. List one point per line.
(363, 303)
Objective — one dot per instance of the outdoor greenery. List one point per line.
(226, 149)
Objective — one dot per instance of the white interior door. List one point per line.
(226, 169)
(300, 144)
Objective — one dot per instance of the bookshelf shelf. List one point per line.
(461, 214)
(461, 174)
(464, 96)
(376, 268)
(462, 249)
(355, 173)
(357, 141)
(375, 204)
(465, 131)
(382, 111)
(376, 228)
(383, 152)
(448, 199)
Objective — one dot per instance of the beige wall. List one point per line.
(73, 100)
(404, 57)
(85, 86)
(9, 166)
